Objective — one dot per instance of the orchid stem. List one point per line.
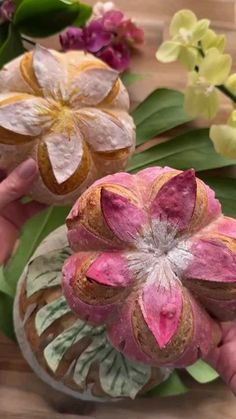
(227, 92)
(28, 40)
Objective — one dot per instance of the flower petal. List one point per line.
(184, 19)
(175, 202)
(199, 102)
(92, 86)
(50, 73)
(123, 217)
(168, 52)
(212, 261)
(65, 153)
(188, 57)
(224, 140)
(211, 274)
(195, 335)
(22, 116)
(110, 269)
(11, 78)
(79, 180)
(106, 130)
(212, 40)
(215, 67)
(162, 307)
(200, 30)
(89, 298)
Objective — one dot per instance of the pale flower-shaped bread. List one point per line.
(155, 263)
(70, 112)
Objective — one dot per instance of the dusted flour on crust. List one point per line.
(69, 111)
(155, 261)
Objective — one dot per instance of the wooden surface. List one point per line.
(22, 395)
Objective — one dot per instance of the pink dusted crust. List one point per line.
(81, 239)
(214, 207)
(176, 200)
(110, 269)
(224, 310)
(122, 337)
(153, 232)
(206, 335)
(162, 311)
(226, 226)
(123, 218)
(212, 261)
(85, 311)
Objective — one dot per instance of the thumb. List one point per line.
(18, 182)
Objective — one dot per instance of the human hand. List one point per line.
(223, 357)
(13, 213)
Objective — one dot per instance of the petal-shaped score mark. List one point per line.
(123, 218)
(162, 307)
(176, 200)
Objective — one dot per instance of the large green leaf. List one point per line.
(12, 47)
(46, 17)
(192, 149)
(225, 189)
(202, 372)
(162, 110)
(173, 386)
(6, 316)
(84, 15)
(129, 78)
(4, 29)
(33, 233)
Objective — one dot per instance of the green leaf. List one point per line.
(48, 314)
(84, 15)
(18, 2)
(129, 78)
(118, 375)
(202, 372)
(4, 29)
(192, 149)
(6, 316)
(12, 47)
(50, 275)
(46, 17)
(4, 287)
(33, 233)
(161, 111)
(225, 189)
(55, 351)
(173, 386)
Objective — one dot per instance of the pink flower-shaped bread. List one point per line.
(155, 262)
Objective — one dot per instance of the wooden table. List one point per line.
(22, 394)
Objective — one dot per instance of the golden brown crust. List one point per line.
(90, 212)
(70, 184)
(178, 343)
(27, 72)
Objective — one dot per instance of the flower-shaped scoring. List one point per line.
(156, 259)
(70, 112)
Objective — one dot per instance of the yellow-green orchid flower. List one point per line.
(201, 98)
(186, 32)
(212, 40)
(224, 137)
